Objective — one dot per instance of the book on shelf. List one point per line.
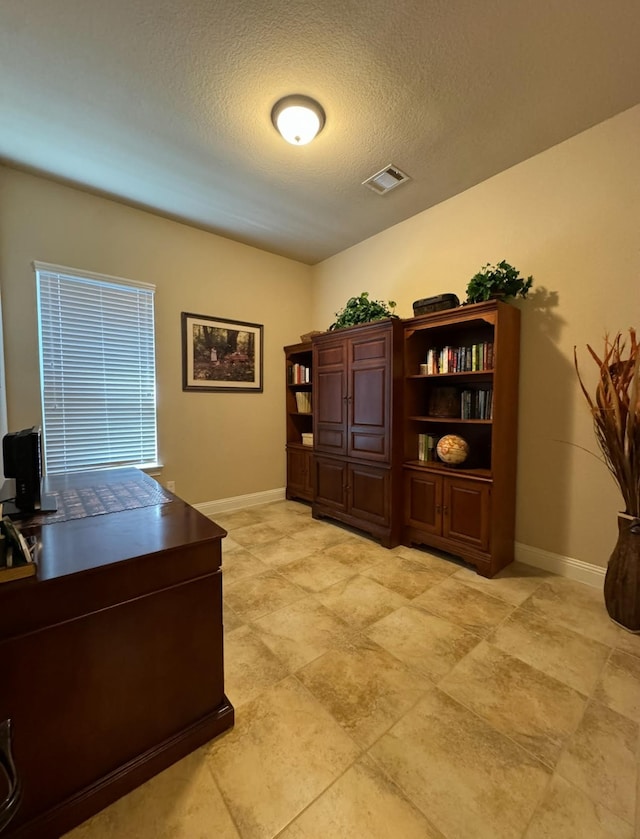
(307, 438)
(303, 401)
(477, 404)
(299, 374)
(427, 447)
(450, 359)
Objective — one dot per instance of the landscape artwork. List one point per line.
(220, 354)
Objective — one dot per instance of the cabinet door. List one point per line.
(330, 397)
(298, 473)
(308, 475)
(369, 493)
(369, 396)
(466, 509)
(330, 483)
(423, 501)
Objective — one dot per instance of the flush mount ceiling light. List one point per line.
(298, 119)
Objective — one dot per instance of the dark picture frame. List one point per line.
(219, 354)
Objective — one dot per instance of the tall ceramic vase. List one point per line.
(622, 581)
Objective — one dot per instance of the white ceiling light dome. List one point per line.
(298, 119)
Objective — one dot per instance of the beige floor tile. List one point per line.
(256, 596)
(575, 606)
(427, 643)
(280, 552)
(231, 620)
(600, 759)
(358, 554)
(257, 534)
(240, 564)
(619, 685)
(249, 666)
(319, 535)
(523, 703)
(469, 780)
(183, 802)
(285, 510)
(407, 577)
(287, 522)
(284, 751)
(317, 571)
(628, 642)
(567, 813)
(360, 601)
(239, 518)
(229, 545)
(364, 687)
(559, 652)
(513, 584)
(362, 804)
(438, 562)
(299, 633)
(473, 610)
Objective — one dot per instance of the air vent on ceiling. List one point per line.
(386, 179)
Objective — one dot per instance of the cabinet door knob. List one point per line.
(438, 508)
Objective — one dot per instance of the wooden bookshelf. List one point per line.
(299, 394)
(466, 509)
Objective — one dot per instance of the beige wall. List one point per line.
(214, 445)
(570, 217)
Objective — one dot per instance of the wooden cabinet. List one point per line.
(355, 490)
(299, 471)
(357, 443)
(447, 508)
(299, 405)
(461, 378)
(112, 656)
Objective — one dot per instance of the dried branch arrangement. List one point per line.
(616, 413)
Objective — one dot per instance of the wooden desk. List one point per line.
(111, 659)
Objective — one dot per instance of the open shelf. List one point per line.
(434, 466)
(448, 420)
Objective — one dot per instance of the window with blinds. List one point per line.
(97, 370)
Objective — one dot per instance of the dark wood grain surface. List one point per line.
(112, 656)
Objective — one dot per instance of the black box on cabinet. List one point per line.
(435, 304)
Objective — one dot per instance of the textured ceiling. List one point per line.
(166, 104)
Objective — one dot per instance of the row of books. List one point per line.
(303, 401)
(298, 374)
(458, 359)
(17, 556)
(427, 447)
(476, 404)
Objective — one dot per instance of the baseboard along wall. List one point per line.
(564, 566)
(240, 502)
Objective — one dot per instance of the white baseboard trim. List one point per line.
(240, 502)
(564, 566)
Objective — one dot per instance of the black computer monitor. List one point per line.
(22, 457)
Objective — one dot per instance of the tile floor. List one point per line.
(397, 695)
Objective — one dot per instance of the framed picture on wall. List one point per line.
(220, 354)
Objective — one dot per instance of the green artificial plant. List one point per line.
(363, 310)
(501, 280)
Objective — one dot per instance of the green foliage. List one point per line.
(362, 310)
(497, 280)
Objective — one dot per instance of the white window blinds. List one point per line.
(97, 370)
